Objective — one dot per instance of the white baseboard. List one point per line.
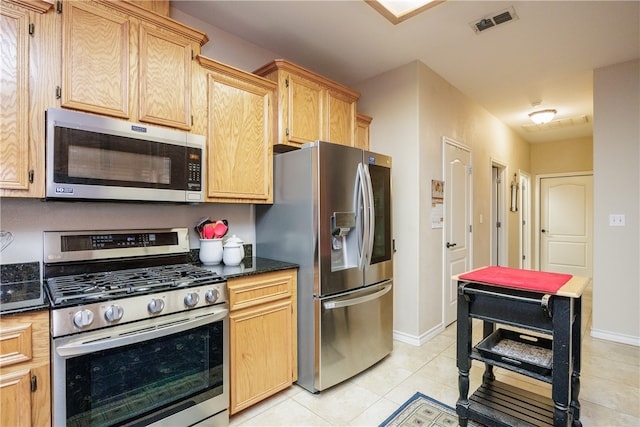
(420, 339)
(611, 336)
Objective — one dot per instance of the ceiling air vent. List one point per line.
(493, 19)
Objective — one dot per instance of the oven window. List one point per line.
(120, 384)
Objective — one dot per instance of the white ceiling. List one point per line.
(547, 55)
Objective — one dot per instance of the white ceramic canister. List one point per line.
(210, 251)
(233, 251)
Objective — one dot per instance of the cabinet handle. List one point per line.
(34, 383)
(31, 173)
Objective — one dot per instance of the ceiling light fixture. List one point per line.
(397, 11)
(542, 116)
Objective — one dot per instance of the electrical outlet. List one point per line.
(616, 220)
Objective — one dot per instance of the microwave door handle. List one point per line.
(372, 214)
(330, 305)
(365, 215)
(80, 348)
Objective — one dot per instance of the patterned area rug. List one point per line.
(423, 411)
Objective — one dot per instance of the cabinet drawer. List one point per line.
(15, 344)
(24, 337)
(252, 290)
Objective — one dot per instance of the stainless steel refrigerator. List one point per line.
(332, 216)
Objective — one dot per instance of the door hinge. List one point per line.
(470, 228)
(286, 82)
(499, 180)
(524, 257)
(470, 170)
(32, 29)
(58, 6)
(34, 383)
(498, 224)
(58, 92)
(31, 176)
(193, 54)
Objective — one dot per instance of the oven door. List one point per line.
(171, 370)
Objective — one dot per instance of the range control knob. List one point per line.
(212, 295)
(155, 306)
(191, 299)
(114, 313)
(83, 318)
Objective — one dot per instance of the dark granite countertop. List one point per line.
(249, 266)
(21, 290)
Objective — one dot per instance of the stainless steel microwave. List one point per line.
(97, 157)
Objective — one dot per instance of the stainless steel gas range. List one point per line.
(139, 335)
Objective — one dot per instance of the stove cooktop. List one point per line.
(98, 286)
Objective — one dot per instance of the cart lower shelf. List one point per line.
(499, 404)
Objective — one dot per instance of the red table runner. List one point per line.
(531, 280)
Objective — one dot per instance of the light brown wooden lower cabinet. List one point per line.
(263, 336)
(25, 397)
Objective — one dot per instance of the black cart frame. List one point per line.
(498, 404)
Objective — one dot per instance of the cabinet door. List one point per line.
(14, 98)
(260, 351)
(15, 398)
(240, 135)
(305, 110)
(341, 119)
(95, 60)
(24, 354)
(164, 79)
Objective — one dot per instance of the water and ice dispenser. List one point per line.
(344, 243)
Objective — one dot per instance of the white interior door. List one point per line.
(524, 207)
(457, 221)
(497, 238)
(566, 224)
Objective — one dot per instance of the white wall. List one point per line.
(397, 135)
(26, 219)
(227, 48)
(616, 156)
(412, 109)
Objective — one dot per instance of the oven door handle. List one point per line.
(88, 345)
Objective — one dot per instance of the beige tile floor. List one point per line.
(609, 393)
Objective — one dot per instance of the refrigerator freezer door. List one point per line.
(355, 332)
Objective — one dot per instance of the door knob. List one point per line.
(544, 231)
(450, 245)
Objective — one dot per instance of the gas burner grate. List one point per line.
(116, 284)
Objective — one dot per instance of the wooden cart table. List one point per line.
(547, 303)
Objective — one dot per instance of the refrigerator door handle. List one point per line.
(372, 214)
(365, 214)
(328, 305)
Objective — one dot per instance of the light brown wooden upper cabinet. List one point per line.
(124, 60)
(363, 123)
(30, 50)
(240, 121)
(310, 106)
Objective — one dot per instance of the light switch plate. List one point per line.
(616, 220)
